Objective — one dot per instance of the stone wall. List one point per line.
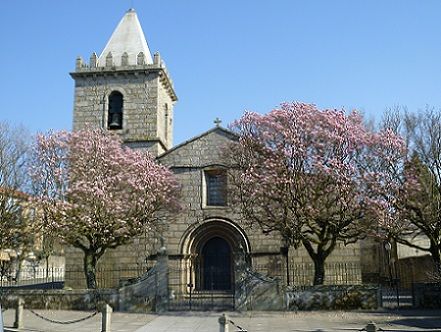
(420, 269)
(188, 161)
(79, 299)
(254, 291)
(145, 294)
(146, 90)
(115, 267)
(149, 292)
(333, 298)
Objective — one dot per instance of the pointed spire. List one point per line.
(128, 37)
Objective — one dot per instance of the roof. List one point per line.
(128, 37)
(227, 132)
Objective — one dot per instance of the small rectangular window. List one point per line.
(216, 187)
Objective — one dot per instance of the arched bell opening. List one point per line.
(115, 111)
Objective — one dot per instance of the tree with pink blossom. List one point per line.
(96, 194)
(314, 176)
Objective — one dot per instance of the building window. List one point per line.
(115, 113)
(216, 187)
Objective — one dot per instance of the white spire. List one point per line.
(128, 37)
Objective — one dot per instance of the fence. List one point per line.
(302, 274)
(30, 276)
(58, 277)
(107, 277)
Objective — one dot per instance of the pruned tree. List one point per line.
(96, 194)
(418, 211)
(311, 175)
(15, 231)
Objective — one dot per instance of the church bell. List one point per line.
(115, 121)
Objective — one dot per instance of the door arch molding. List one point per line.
(201, 232)
(192, 249)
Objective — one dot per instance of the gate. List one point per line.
(200, 289)
(394, 295)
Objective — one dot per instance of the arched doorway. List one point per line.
(216, 272)
(212, 245)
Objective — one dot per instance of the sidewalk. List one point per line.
(121, 321)
(303, 321)
(317, 321)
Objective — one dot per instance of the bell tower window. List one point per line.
(115, 112)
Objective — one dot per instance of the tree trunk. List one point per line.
(436, 257)
(319, 258)
(90, 261)
(319, 270)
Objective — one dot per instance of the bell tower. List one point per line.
(125, 90)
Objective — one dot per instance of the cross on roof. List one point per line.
(217, 122)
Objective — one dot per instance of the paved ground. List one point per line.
(323, 321)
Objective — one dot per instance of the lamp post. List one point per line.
(191, 284)
(284, 251)
(391, 261)
(1, 318)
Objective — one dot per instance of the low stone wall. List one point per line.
(257, 292)
(148, 293)
(61, 299)
(333, 297)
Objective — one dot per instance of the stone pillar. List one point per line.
(106, 318)
(223, 323)
(371, 327)
(93, 61)
(157, 59)
(79, 63)
(18, 324)
(162, 297)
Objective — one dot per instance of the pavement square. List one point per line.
(314, 321)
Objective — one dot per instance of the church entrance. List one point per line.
(215, 268)
(205, 276)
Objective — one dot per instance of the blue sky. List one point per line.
(226, 56)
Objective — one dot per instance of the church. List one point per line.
(130, 92)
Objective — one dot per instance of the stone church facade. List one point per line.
(128, 91)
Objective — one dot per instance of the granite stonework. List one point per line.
(62, 299)
(337, 297)
(147, 293)
(150, 291)
(148, 101)
(254, 291)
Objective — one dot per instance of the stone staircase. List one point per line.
(203, 301)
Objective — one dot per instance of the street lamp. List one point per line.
(284, 251)
(1, 318)
(390, 262)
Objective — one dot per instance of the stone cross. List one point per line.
(217, 122)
